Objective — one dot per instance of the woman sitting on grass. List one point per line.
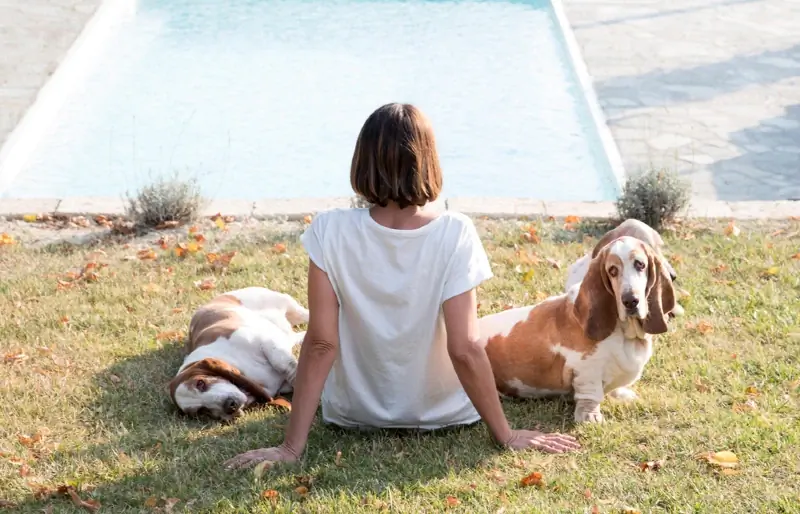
(393, 338)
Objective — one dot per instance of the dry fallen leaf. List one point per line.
(270, 494)
(206, 284)
(151, 502)
(220, 261)
(14, 357)
(452, 501)
(279, 248)
(534, 479)
(595, 509)
(531, 235)
(748, 406)
(167, 225)
(6, 239)
(701, 386)
(146, 255)
(732, 230)
(170, 335)
(719, 268)
(587, 493)
(90, 505)
(281, 402)
(704, 327)
(572, 219)
(301, 490)
(723, 459)
(652, 465)
(796, 256)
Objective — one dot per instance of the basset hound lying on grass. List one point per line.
(594, 339)
(239, 352)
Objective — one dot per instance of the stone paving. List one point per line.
(708, 87)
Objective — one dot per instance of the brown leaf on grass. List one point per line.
(630, 510)
(6, 239)
(169, 503)
(281, 402)
(796, 256)
(554, 263)
(14, 357)
(572, 219)
(220, 261)
(200, 238)
(676, 259)
(719, 268)
(180, 250)
(206, 284)
(452, 501)
(270, 494)
(652, 465)
(732, 230)
(301, 490)
(748, 406)
(304, 480)
(703, 327)
(587, 493)
(595, 509)
(63, 320)
(279, 248)
(151, 502)
(723, 459)
(178, 310)
(146, 255)
(151, 287)
(751, 391)
(163, 242)
(531, 235)
(90, 505)
(24, 470)
(534, 479)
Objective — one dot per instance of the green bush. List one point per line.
(166, 200)
(653, 197)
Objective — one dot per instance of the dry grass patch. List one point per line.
(87, 349)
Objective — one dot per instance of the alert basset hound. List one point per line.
(632, 228)
(594, 339)
(239, 352)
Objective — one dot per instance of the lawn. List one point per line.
(84, 363)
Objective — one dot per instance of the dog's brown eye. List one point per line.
(201, 385)
(613, 271)
(639, 265)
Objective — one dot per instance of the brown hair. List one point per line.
(395, 158)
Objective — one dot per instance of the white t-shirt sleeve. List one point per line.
(469, 266)
(312, 240)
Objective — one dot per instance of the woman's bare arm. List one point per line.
(317, 355)
(468, 354)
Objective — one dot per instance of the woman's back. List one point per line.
(393, 368)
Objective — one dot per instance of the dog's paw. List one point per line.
(623, 394)
(588, 412)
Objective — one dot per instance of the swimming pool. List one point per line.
(265, 98)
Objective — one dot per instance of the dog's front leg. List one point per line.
(588, 395)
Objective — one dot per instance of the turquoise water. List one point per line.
(265, 98)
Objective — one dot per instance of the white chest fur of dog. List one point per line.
(239, 352)
(591, 341)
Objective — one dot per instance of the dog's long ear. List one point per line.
(218, 368)
(660, 293)
(595, 306)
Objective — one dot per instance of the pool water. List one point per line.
(265, 99)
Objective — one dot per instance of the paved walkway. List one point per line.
(708, 87)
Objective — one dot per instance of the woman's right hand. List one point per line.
(548, 443)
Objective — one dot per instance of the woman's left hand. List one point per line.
(275, 455)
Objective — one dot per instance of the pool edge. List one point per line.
(24, 138)
(586, 82)
(298, 208)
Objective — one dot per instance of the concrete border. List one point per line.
(296, 209)
(607, 141)
(26, 135)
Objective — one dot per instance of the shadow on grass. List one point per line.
(145, 448)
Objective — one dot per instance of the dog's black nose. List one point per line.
(630, 302)
(231, 405)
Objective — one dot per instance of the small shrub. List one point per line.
(165, 200)
(653, 197)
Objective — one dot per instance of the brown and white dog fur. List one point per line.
(632, 228)
(593, 340)
(239, 352)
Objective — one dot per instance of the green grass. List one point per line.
(96, 373)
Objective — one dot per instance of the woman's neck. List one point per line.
(409, 218)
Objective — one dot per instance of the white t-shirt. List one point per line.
(393, 369)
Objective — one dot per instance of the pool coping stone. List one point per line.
(295, 209)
